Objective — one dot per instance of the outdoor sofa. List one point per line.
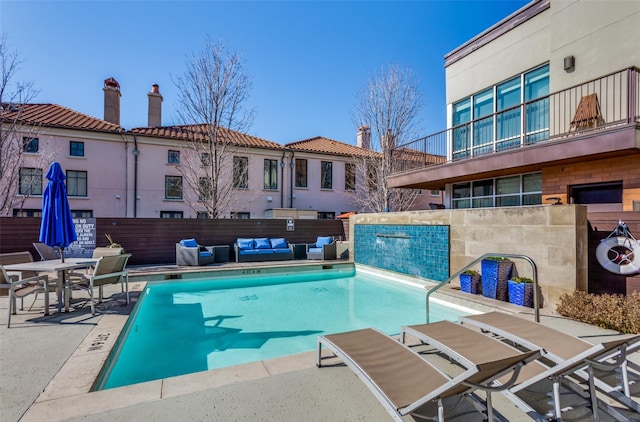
(262, 249)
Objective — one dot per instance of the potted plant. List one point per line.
(496, 270)
(521, 291)
(470, 282)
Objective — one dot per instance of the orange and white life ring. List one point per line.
(619, 254)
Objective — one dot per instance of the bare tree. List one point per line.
(387, 110)
(14, 97)
(213, 92)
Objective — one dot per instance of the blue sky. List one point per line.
(307, 60)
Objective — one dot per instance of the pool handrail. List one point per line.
(534, 269)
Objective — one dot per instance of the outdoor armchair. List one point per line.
(21, 288)
(189, 252)
(324, 248)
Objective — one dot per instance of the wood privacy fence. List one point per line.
(152, 240)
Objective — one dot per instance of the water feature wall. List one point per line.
(417, 250)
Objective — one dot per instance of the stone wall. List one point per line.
(553, 236)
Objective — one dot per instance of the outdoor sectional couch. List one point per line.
(262, 249)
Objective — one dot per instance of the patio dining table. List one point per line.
(54, 265)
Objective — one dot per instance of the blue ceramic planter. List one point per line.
(495, 274)
(520, 293)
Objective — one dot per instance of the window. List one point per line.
(205, 159)
(241, 215)
(76, 149)
(173, 187)
(30, 144)
(82, 214)
(483, 122)
(205, 188)
(511, 191)
(301, 173)
(30, 181)
(372, 178)
(349, 176)
(598, 193)
(461, 133)
(203, 215)
(240, 172)
(77, 183)
(435, 192)
(326, 215)
(174, 157)
(27, 212)
(536, 85)
(170, 214)
(326, 175)
(270, 174)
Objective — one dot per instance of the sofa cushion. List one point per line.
(278, 243)
(315, 250)
(264, 251)
(281, 250)
(248, 251)
(245, 243)
(323, 241)
(205, 253)
(189, 243)
(262, 243)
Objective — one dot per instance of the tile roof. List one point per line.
(54, 115)
(329, 146)
(186, 132)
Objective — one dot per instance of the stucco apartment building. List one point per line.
(115, 172)
(543, 107)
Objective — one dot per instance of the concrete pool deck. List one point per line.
(48, 365)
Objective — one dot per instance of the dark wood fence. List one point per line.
(152, 240)
(600, 226)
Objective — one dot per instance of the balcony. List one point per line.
(593, 120)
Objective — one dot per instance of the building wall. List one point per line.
(559, 249)
(601, 35)
(557, 180)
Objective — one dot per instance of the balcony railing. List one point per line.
(597, 105)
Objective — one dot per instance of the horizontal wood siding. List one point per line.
(152, 240)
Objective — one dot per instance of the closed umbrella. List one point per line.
(57, 229)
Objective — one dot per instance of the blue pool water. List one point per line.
(184, 327)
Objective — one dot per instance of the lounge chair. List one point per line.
(563, 349)
(21, 288)
(404, 382)
(324, 248)
(46, 252)
(189, 252)
(107, 270)
(463, 344)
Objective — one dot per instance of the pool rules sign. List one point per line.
(291, 225)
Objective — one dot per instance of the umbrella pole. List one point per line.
(62, 255)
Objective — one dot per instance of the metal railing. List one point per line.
(534, 276)
(545, 119)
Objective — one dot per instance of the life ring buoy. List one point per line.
(619, 254)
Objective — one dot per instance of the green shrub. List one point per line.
(470, 272)
(522, 280)
(616, 312)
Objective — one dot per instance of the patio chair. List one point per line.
(189, 252)
(324, 248)
(457, 341)
(21, 288)
(46, 252)
(564, 349)
(405, 383)
(108, 270)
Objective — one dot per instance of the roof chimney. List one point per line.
(111, 101)
(363, 138)
(155, 107)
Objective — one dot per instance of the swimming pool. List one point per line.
(184, 327)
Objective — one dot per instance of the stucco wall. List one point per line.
(554, 236)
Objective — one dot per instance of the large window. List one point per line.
(497, 115)
(326, 175)
(205, 186)
(326, 215)
(511, 191)
(77, 183)
(30, 181)
(240, 215)
(172, 187)
(270, 174)
(349, 177)
(597, 193)
(25, 212)
(76, 149)
(240, 172)
(301, 173)
(30, 144)
(81, 214)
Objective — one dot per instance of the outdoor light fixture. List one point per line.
(136, 152)
(569, 64)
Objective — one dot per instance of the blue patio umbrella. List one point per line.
(56, 229)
